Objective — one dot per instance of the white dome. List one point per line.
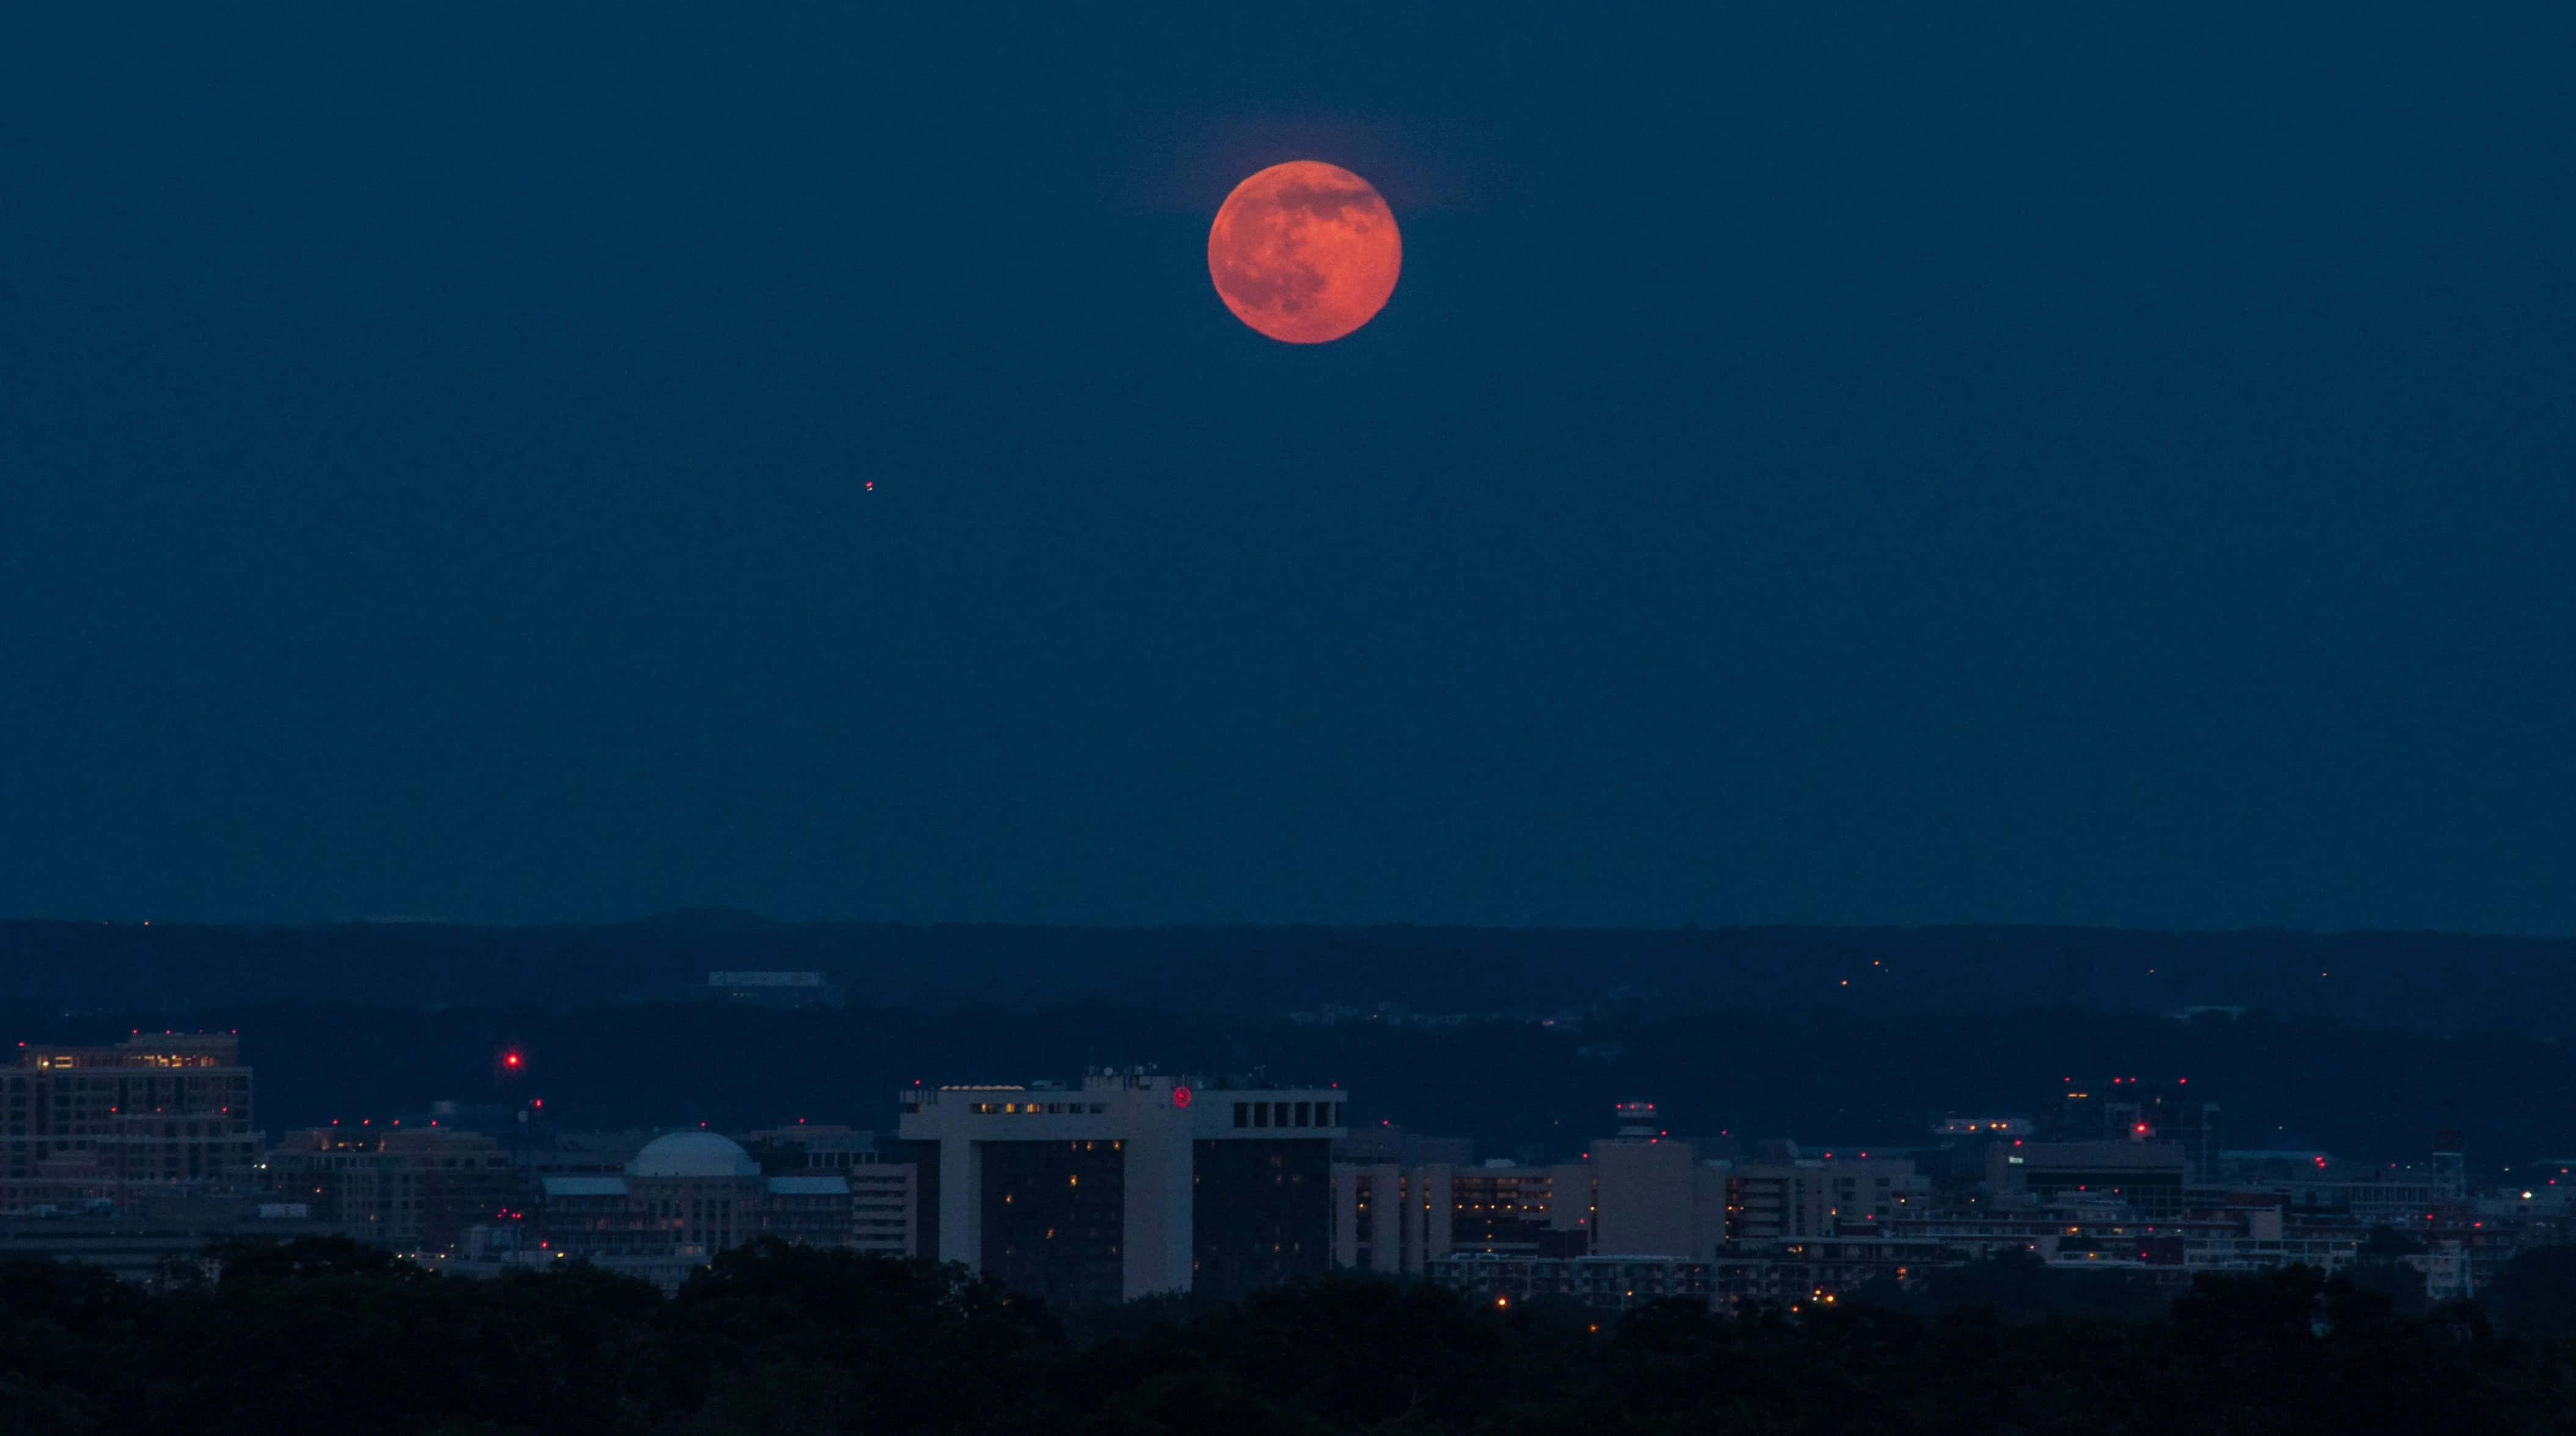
(693, 1154)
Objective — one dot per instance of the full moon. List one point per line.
(1305, 252)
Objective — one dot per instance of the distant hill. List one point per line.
(2426, 982)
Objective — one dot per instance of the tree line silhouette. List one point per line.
(326, 1335)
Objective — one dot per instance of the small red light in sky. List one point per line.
(510, 1059)
(872, 486)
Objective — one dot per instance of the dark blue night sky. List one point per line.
(1822, 464)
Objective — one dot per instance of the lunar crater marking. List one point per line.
(1304, 252)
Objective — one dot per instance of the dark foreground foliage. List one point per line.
(330, 1337)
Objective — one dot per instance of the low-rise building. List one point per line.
(2150, 1178)
(688, 1195)
(413, 1189)
(805, 1149)
(1612, 1283)
(162, 1231)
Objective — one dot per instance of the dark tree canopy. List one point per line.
(333, 1337)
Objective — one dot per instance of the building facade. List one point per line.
(2149, 1178)
(1131, 1184)
(1638, 1194)
(2127, 1109)
(807, 1149)
(688, 1195)
(415, 1190)
(114, 1124)
(1818, 1197)
(1396, 1217)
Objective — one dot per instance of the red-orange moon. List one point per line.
(1305, 252)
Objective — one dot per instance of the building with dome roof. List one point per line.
(697, 1155)
(690, 1194)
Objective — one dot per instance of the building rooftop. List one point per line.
(584, 1186)
(809, 1186)
(693, 1154)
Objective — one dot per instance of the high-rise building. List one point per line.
(1653, 1196)
(1390, 1217)
(1506, 1208)
(115, 1123)
(1396, 1217)
(1828, 1196)
(1130, 1184)
(2134, 1110)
